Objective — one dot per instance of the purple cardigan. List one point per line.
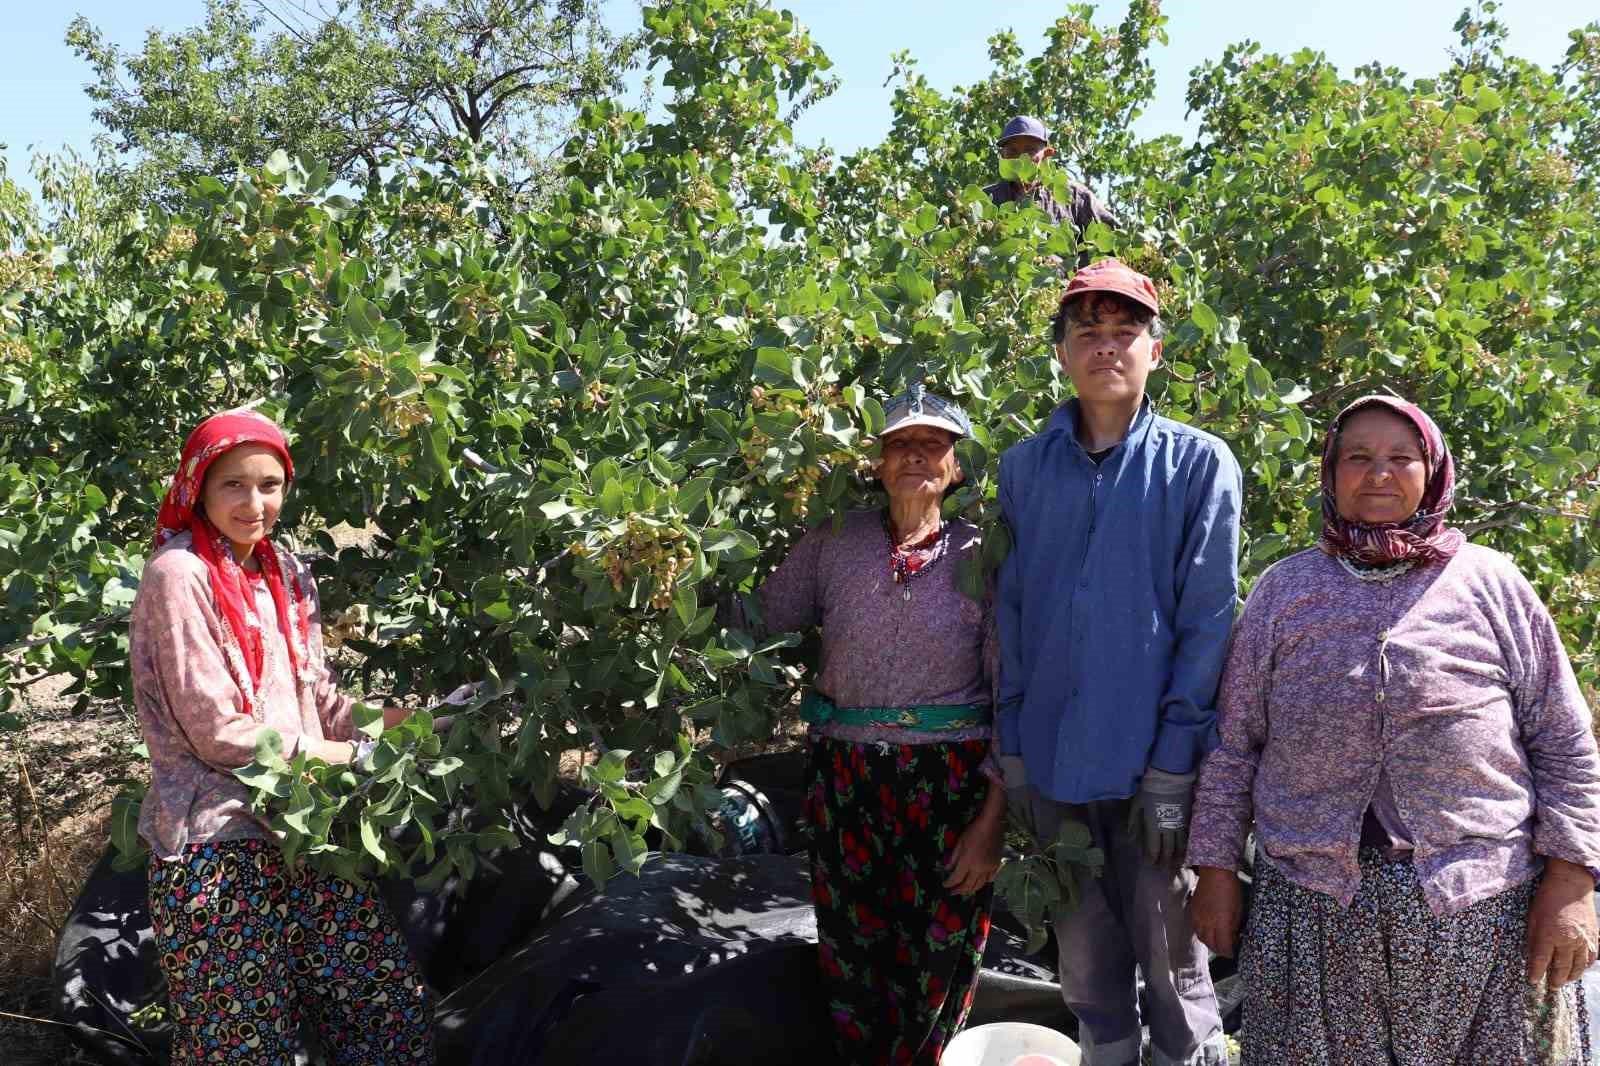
(880, 649)
(1450, 681)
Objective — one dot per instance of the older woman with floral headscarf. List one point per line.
(905, 802)
(1399, 720)
(225, 642)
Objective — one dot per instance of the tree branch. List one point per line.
(1515, 507)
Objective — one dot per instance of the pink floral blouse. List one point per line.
(193, 713)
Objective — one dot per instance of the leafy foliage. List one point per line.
(574, 427)
(351, 87)
(1048, 877)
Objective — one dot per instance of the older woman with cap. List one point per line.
(225, 641)
(1399, 720)
(904, 800)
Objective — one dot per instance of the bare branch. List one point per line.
(1516, 510)
(294, 31)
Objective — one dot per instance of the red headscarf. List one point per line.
(210, 440)
(1423, 537)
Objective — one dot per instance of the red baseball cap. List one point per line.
(1113, 275)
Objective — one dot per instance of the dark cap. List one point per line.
(1024, 126)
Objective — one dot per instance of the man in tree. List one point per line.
(1114, 608)
(1026, 137)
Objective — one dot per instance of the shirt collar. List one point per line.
(1065, 420)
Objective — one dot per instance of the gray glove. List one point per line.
(1160, 816)
(1018, 806)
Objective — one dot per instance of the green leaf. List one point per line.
(614, 498)
(125, 810)
(774, 367)
(685, 604)
(733, 543)
(1291, 391)
(373, 842)
(368, 719)
(1203, 317)
(269, 749)
(597, 864)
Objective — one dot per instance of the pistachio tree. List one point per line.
(571, 429)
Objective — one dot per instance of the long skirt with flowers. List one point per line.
(249, 946)
(1388, 981)
(899, 953)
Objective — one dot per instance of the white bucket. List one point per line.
(1003, 1043)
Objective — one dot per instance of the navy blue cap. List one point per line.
(1024, 126)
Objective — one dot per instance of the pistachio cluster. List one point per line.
(348, 623)
(646, 548)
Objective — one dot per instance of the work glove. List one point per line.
(1018, 806)
(1160, 816)
(460, 696)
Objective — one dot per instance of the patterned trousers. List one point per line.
(248, 946)
(899, 953)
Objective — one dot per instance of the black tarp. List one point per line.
(693, 960)
(701, 960)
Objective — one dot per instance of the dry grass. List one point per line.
(56, 785)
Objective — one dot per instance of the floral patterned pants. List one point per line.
(248, 945)
(899, 952)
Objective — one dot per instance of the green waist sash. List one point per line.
(818, 709)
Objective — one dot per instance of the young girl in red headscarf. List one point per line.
(226, 641)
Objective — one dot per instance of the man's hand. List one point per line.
(976, 857)
(1018, 804)
(1160, 816)
(462, 694)
(1215, 909)
(1561, 925)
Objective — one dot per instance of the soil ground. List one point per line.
(57, 779)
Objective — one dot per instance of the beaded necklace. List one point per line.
(914, 559)
(1381, 575)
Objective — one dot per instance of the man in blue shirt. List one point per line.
(1114, 608)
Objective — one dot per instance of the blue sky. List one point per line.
(42, 103)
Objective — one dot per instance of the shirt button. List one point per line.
(1379, 697)
(1383, 634)
(1074, 693)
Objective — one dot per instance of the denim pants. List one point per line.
(1132, 916)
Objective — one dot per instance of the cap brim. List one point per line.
(924, 420)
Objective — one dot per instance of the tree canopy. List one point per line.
(575, 425)
(350, 87)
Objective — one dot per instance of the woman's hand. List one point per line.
(1215, 909)
(976, 857)
(332, 752)
(1561, 924)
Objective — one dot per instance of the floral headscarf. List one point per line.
(236, 602)
(1423, 537)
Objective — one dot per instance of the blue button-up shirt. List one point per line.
(1115, 602)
